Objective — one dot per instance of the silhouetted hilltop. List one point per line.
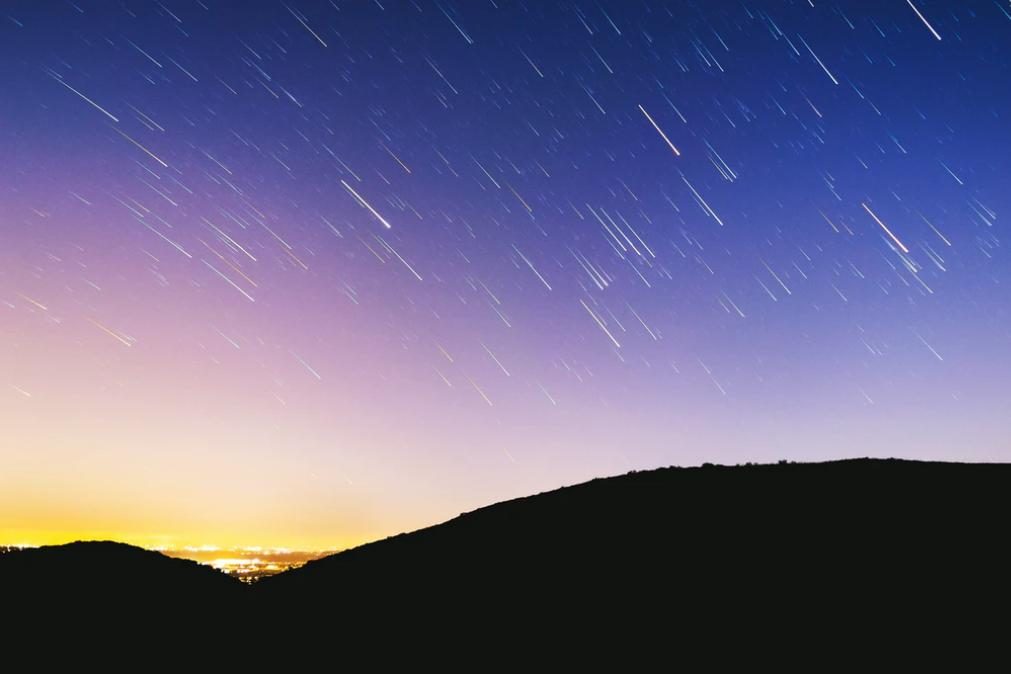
(124, 580)
(740, 552)
(727, 547)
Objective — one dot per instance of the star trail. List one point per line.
(308, 273)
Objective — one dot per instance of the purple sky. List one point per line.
(312, 273)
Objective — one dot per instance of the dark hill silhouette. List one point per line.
(715, 548)
(97, 580)
(740, 553)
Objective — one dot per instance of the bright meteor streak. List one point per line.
(86, 99)
(924, 19)
(660, 131)
(366, 204)
(885, 227)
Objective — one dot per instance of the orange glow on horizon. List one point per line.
(41, 537)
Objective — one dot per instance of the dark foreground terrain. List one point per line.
(757, 552)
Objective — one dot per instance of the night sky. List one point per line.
(310, 273)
